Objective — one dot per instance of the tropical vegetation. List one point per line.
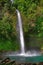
(32, 17)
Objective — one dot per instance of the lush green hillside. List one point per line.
(32, 16)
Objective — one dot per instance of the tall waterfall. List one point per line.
(12, 1)
(31, 52)
(20, 32)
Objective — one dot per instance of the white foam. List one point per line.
(27, 54)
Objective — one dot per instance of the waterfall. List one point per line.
(21, 37)
(12, 1)
(20, 32)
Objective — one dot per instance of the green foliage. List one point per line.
(32, 16)
(39, 26)
(7, 26)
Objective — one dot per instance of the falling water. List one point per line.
(20, 32)
(12, 1)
